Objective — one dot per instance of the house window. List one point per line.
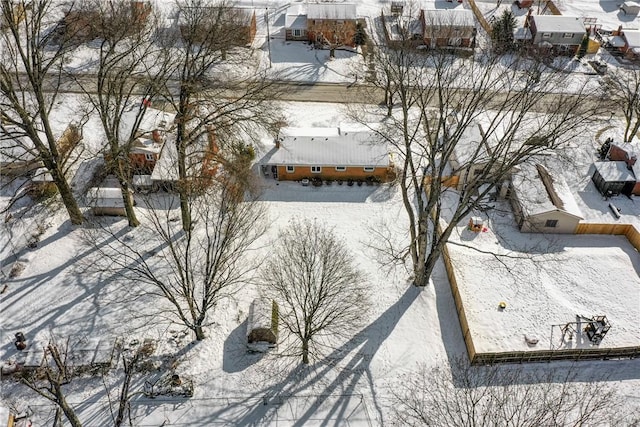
(297, 33)
(318, 21)
(291, 169)
(369, 168)
(149, 157)
(456, 41)
(551, 223)
(316, 169)
(339, 22)
(567, 35)
(546, 35)
(341, 168)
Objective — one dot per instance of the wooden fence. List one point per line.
(475, 358)
(628, 230)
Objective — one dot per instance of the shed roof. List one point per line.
(539, 192)
(344, 11)
(347, 145)
(614, 171)
(632, 37)
(104, 197)
(558, 24)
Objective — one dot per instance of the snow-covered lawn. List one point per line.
(353, 382)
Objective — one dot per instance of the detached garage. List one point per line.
(613, 178)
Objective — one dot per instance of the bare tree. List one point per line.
(314, 279)
(623, 87)
(505, 395)
(123, 77)
(209, 99)
(30, 79)
(49, 379)
(191, 270)
(441, 98)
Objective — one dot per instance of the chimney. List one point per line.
(631, 160)
(277, 141)
(156, 136)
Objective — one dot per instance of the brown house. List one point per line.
(448, 28)
(349, 152)
(331, 24)
(326, 24)
(83, 25)
(233, 26)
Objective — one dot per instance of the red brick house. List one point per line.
(330, 24)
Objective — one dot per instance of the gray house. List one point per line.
(562, 34)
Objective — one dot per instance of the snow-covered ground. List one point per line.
(57, 293)
(353, 383)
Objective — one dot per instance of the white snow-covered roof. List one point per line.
(465, 150)
(614, 171)
(296, 17)
(166, 168)
(616, 41)
(632, 37)
(348, 145)
(42, 175)
(539, 192)
(450, 17)
(156, 119)
(105, 197)
(558, 24)
(344, 11)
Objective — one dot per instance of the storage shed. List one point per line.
(262, 325)
(630, 8)
(107, 201)
(542, 202)
(613, 178)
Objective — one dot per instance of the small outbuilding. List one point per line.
(630, 8)
(542, 202)
(613, 178)
(262, 325)
(107, 201)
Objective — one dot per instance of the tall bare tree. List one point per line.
(190, 270)
(208, 87)
(313, 277)
(505, 395)
(440, 98)
(623, 88)
(123, 77)
(30, 79)
(49, 379)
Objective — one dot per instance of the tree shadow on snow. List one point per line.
(346, 384)
(236, 357)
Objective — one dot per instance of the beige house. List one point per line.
(542, 203)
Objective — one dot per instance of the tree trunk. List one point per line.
(75, 215)
(68, 411)
(128, 206)
(123, 176)
(199, 332)
(305, 351)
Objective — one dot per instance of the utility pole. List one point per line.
(266, 18)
